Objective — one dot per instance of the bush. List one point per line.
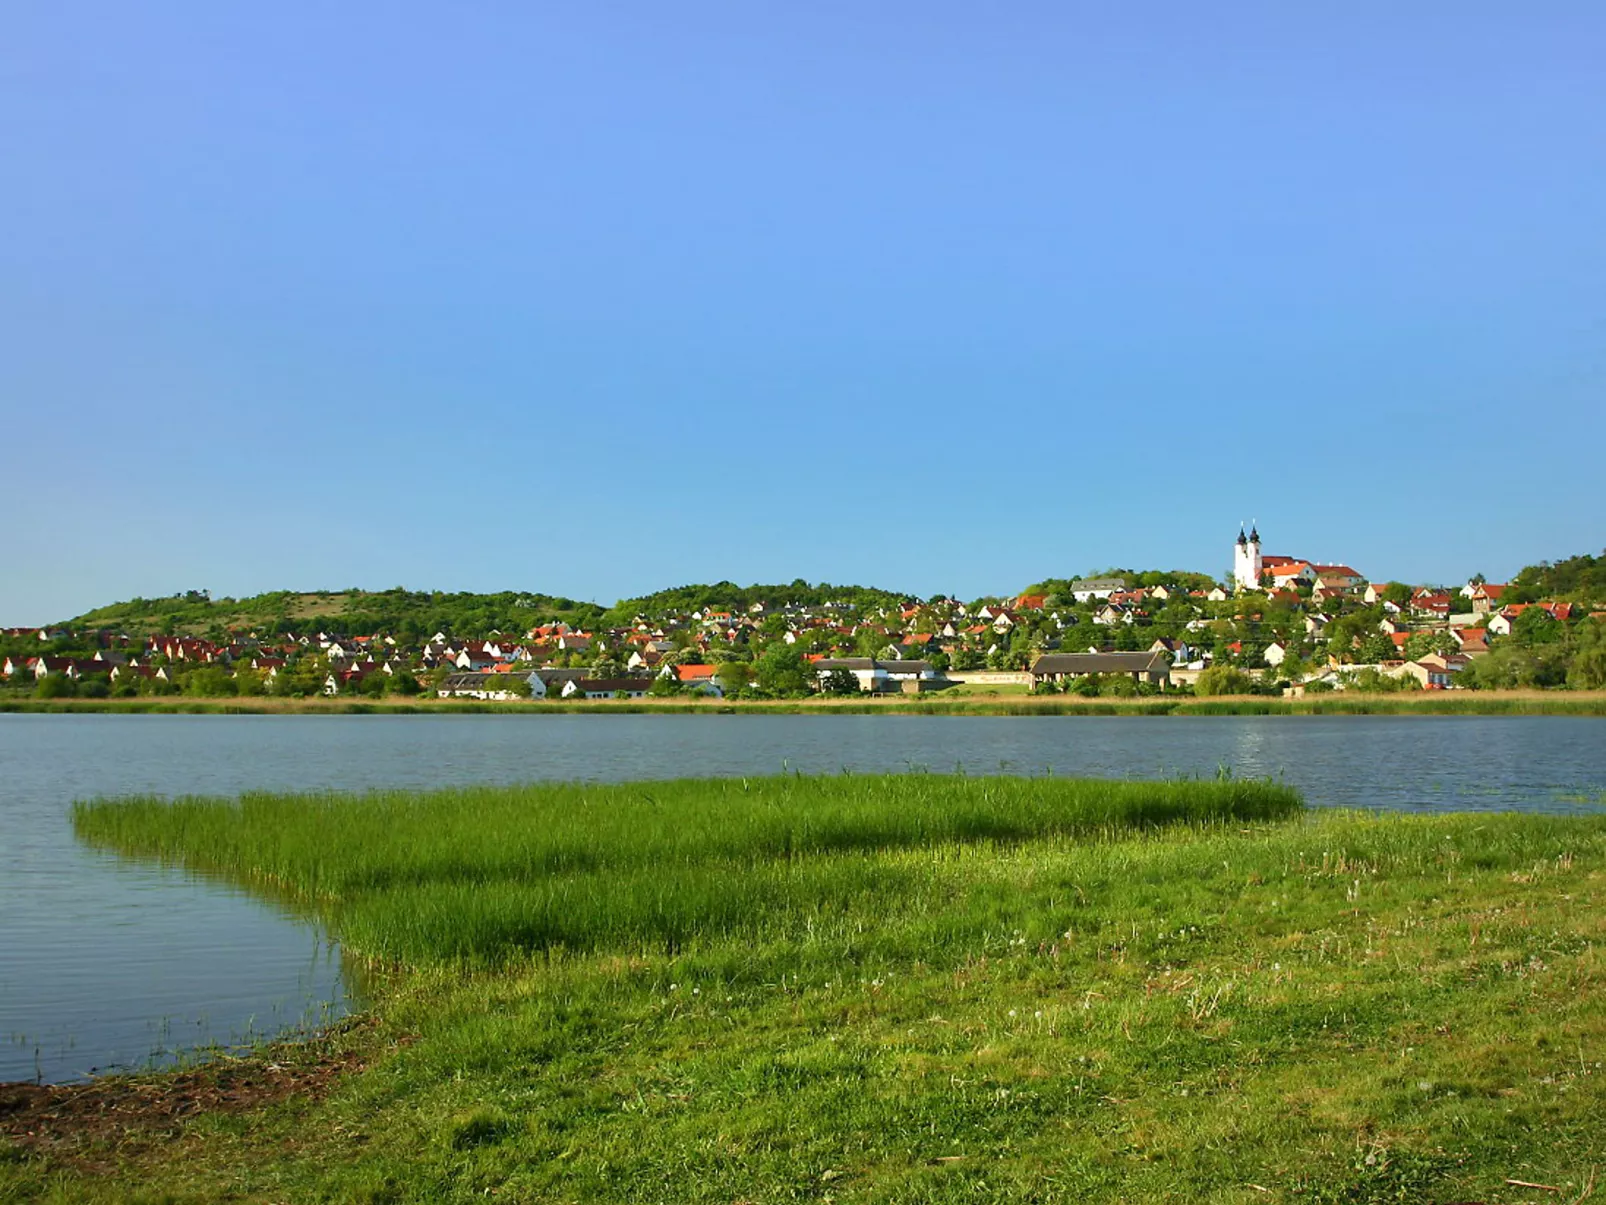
(1224, 680)
(55, 686)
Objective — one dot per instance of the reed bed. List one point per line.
(482, 874)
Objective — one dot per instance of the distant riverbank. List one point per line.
(1572, 703)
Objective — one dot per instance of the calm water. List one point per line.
(106, 963)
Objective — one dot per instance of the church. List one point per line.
(1248, 565)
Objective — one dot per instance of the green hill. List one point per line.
(410, 614)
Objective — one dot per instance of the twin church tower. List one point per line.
(1246, 562)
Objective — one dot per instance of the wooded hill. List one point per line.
(413, 615)
(728, 596)
(1577, 579)
(407, 614)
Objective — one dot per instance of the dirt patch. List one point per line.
(93, 1123)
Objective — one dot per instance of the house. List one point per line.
(1500, 623)
(1110, 614)
(1180, 652)
(702, 679)
(1435, 603)
(1342, 577)
(1431, 677)
(606, 688)
(1329, 587)
(495, 687)
(1153, 666)
(554, 680)
(1004, 620)
(882, 677)
(1471, 640)
(1290, 574)
(1486, 598)
(1276, 653)
(1095, 587)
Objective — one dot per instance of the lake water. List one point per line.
(107, 963)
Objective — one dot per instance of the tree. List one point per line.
(55, 686)
(782, 672)
(1534, 626)
(1588, 670)
(210, 682)
(734, 676)
(840, 682)
(1377, 647)
(1223, 680)
(1119, 686)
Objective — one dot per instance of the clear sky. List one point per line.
(594, 299)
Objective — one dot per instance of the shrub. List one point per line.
(1224, 680)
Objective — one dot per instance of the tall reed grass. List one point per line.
(483, 874)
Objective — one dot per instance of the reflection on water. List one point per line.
(105, 963)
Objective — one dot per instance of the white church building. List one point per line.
(1246, 560)
(1249, 566)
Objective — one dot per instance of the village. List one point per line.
(1281, 625)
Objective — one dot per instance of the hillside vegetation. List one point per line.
(1578, 579)
(410, 615)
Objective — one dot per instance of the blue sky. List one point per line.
(603, 298)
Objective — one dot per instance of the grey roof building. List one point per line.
(1153, 666)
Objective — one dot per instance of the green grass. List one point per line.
(478, 875)
(918, 989)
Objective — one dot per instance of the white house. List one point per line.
(881, 677)
(606, 688)
(1096, 587)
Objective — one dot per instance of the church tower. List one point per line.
(1246, 560)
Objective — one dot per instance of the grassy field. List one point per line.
(913, 989)
(975, 701)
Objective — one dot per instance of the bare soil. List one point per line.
(96, 1124)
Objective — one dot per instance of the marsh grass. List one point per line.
(480, 874)
(933, 990)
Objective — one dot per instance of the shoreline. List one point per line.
(1482, 703)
